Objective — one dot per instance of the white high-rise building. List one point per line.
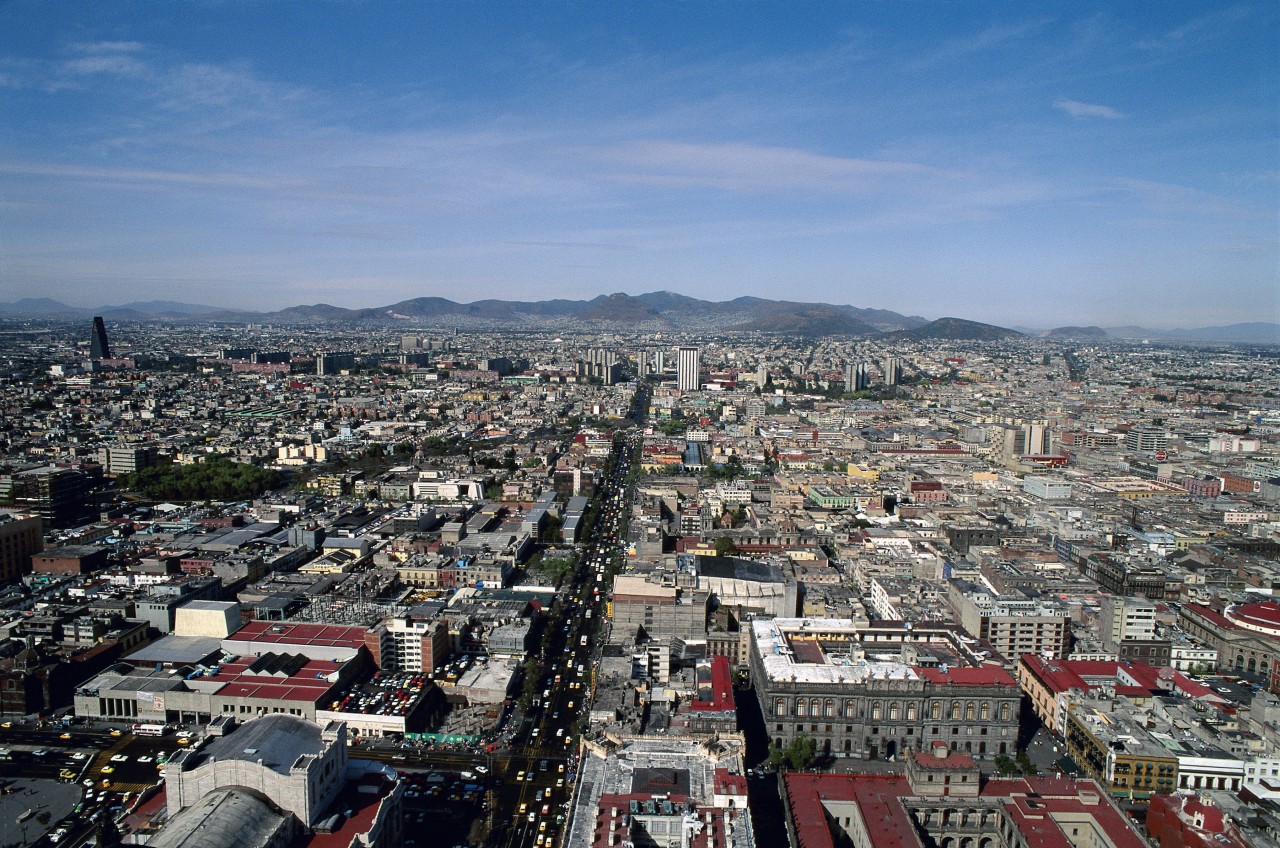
(688, 367)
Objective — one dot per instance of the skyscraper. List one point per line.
(98, 346)
(687, 368)
(855, 377)
(892, 370)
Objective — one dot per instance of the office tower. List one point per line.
(331, 363)
(659, 361)
(1144, 439)
(20, 537)
(855, 377)
(892, 370)
(98, 346)
(687, 368)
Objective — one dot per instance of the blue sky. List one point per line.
(1035, 164)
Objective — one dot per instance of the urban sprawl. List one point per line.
(306, 585)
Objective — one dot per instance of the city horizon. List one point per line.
(1028, 326)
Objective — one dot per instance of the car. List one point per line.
(546, 809)
(542, 825)
(108, 769)
(67, 774)
(7, 725)
(520, 776)
(79, 755)
(560, 768)
(524, 808)
(39, 752)
(64, 735)
(145, 759)
(115, 731)
(559, 782)
(184, 741)
(120, 758)
(533, 817)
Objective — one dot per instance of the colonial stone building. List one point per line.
(863, 693)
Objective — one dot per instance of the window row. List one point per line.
(893, 711)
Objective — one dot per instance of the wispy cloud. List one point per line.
(1207, 26)
(145, 177)
(1076, 109)
(99, 47)
(744, 167)
(974, 43)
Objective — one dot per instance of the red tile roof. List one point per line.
(1031, 802)
(308, 685)
(300, 633)
(983, 676)
(721, 689)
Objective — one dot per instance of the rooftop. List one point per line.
(275, 741)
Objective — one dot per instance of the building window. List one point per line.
(1004, 711)
(875, 711)
(969, 711)
(799, 706)
(911, 712)
(893, 711)
(985, 713)
(936, 712)
(780, 707)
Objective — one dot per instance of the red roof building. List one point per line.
(336, 643)
(942, 797)
(1186, 821)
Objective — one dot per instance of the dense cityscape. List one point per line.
(325, 584)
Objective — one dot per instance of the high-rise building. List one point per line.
(328, 364)
(99, 348)
(892, 370)
(659, 361)
(688, 367)
(855, 377)
(20, 537)
(119, 459)
(1145, 439)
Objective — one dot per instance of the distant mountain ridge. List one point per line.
(659, 311)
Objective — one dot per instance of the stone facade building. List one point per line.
(858, 697)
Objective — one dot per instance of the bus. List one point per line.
(149, 729)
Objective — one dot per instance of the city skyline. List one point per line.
(1097, 165)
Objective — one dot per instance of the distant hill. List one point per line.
(1256, 332)
(958, 329)
(1077, 333)
(812, 321)
(618, 309)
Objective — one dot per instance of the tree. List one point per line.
(798, 753)
(725, 546)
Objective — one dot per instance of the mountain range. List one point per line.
(660, 311)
